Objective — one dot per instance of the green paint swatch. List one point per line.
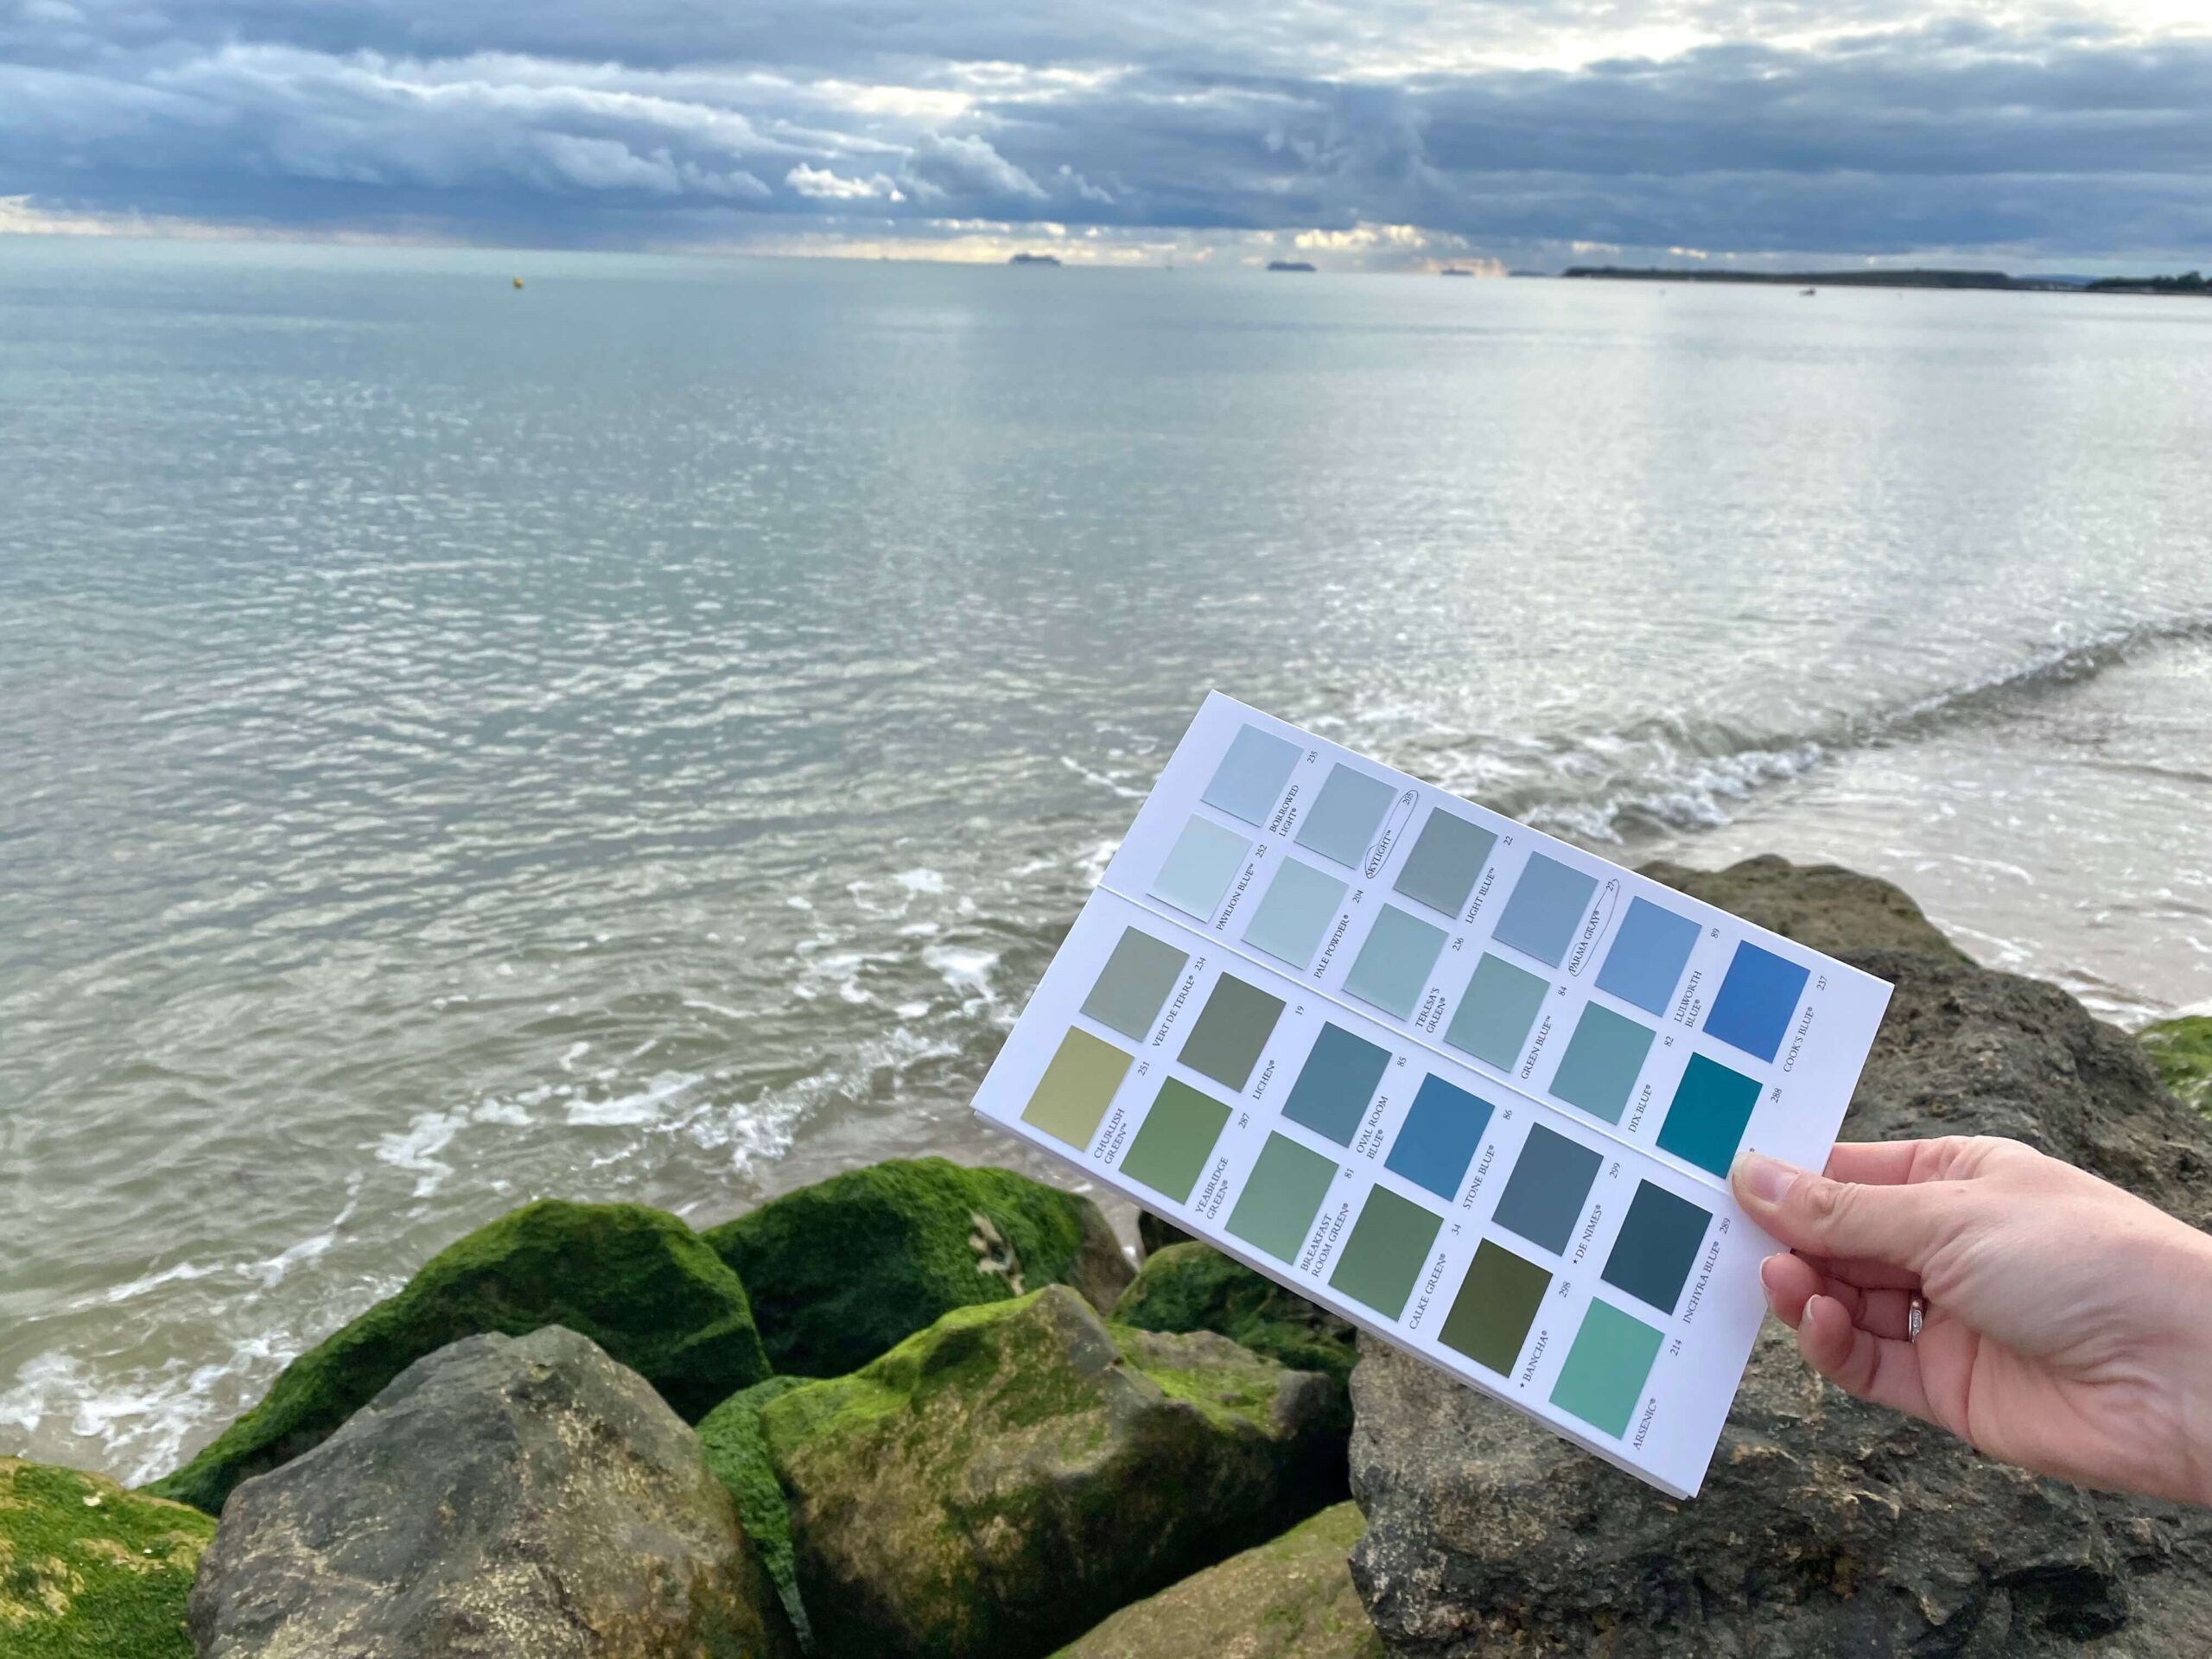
(1275, 1210)
(1225, 1043)
(1605, 1369)
(1170, 1149)
(1440, 871)
(1712, 1107)
(1389, 1245)
(1497, 1304)
(1134, 983)
(1493, 1018)
(1603, 1057)
(1077, 1088)
(1393, 966)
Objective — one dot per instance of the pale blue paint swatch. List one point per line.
(1295, 913)
(1251, 775)
(1205, 859)
(1341, 822)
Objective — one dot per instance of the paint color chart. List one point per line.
(1473, 1089)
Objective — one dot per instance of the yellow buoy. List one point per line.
(517, 282)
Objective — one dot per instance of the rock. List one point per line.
(1288, 1599)
(637, 1282)
(1825, 1526)
(502, 1498)
(1001, 1482)
(1155, 1233)
(89, 1571)
(1195, 1287)
(844, 1270)
(2181, 1050)
(737, 1452)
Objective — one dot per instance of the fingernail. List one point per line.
(1768, 1180)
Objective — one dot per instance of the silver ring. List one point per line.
(1915, 1311)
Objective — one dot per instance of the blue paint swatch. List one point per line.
(1251, 774)
(1543, 1196)
(1205, 859)
(1449, 855)
(1752, 1008)
(1438, 1140)
(1649, 955)
(1548, 904)
(1712, 1107)
(1341, 822)
(1393, 963)
(1331, 1093)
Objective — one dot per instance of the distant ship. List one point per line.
(1455, 271)
(1033, 259)
(1807, 292)
(1289, 264)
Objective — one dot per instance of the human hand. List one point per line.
(2068, 1325)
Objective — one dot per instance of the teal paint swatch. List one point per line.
(1384, 1255)
(1494, 1015)
(1336, 1083)
(1134, 984)
(1275, 1210)
(1251, 774)
(1341, 822)
(1548, 903)
(1447, 857)
(1657, 1246)
(1170, 1149)
(1393, 966)
(1712, 1108)
(1295, 913)
(1233, 1027)
(1605, 1369)
(1205, 859)
(1602, 1060)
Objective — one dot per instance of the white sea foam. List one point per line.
(967, 968)
(643, 1106)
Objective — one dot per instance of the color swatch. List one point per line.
(1294, 913)
(1548, 904)
(1225, 1043)
(1341, 822)
(1392, 967)
(1251, 774)
(1602, 1060)
(1495, 1015)
(1752, 1008)
(1439, 1138)
(1281, 1197)
(1336, 1083)
(1467, 1086)
(1446, 860)
(1197, 872)
(1648, 954)
(1135, 983)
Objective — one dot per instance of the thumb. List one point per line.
(1898, 1226)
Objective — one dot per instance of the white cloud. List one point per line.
(826, 186)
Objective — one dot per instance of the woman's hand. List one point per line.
(2067, 1325)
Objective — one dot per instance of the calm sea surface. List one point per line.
(640, 736)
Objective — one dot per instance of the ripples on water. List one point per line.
(640, 737)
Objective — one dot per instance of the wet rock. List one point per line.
(737, 1452)
(1195, 1287)
(89, 1571)
(501, 1497)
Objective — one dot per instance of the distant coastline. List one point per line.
(2188, 283)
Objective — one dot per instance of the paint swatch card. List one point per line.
(1471, 1088)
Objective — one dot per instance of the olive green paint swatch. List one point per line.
(1385, 1253)
(1497, 1304)
(1225, 1043)
(1276, 1208)
(1077, 1088)
(1177, 1136)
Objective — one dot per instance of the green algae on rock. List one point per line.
(1195, 1287)
(738, 1453)
(840, 1271)
(637, 1281)
(2181, 1052)
(89, 1571)
(1001, 1482)
(1290, 1598)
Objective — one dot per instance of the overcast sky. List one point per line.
(2060, 135)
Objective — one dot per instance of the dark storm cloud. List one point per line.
(589, 121)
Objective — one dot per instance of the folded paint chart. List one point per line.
(1474, 1088)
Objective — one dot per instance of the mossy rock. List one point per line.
(999, 1482)
(2181, 1050)
(738, 1453)
(1156, 1233)
(1195, 1287)
(89, 1571)
(1292, 1597)
(843, 1270)
(637, 1281)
